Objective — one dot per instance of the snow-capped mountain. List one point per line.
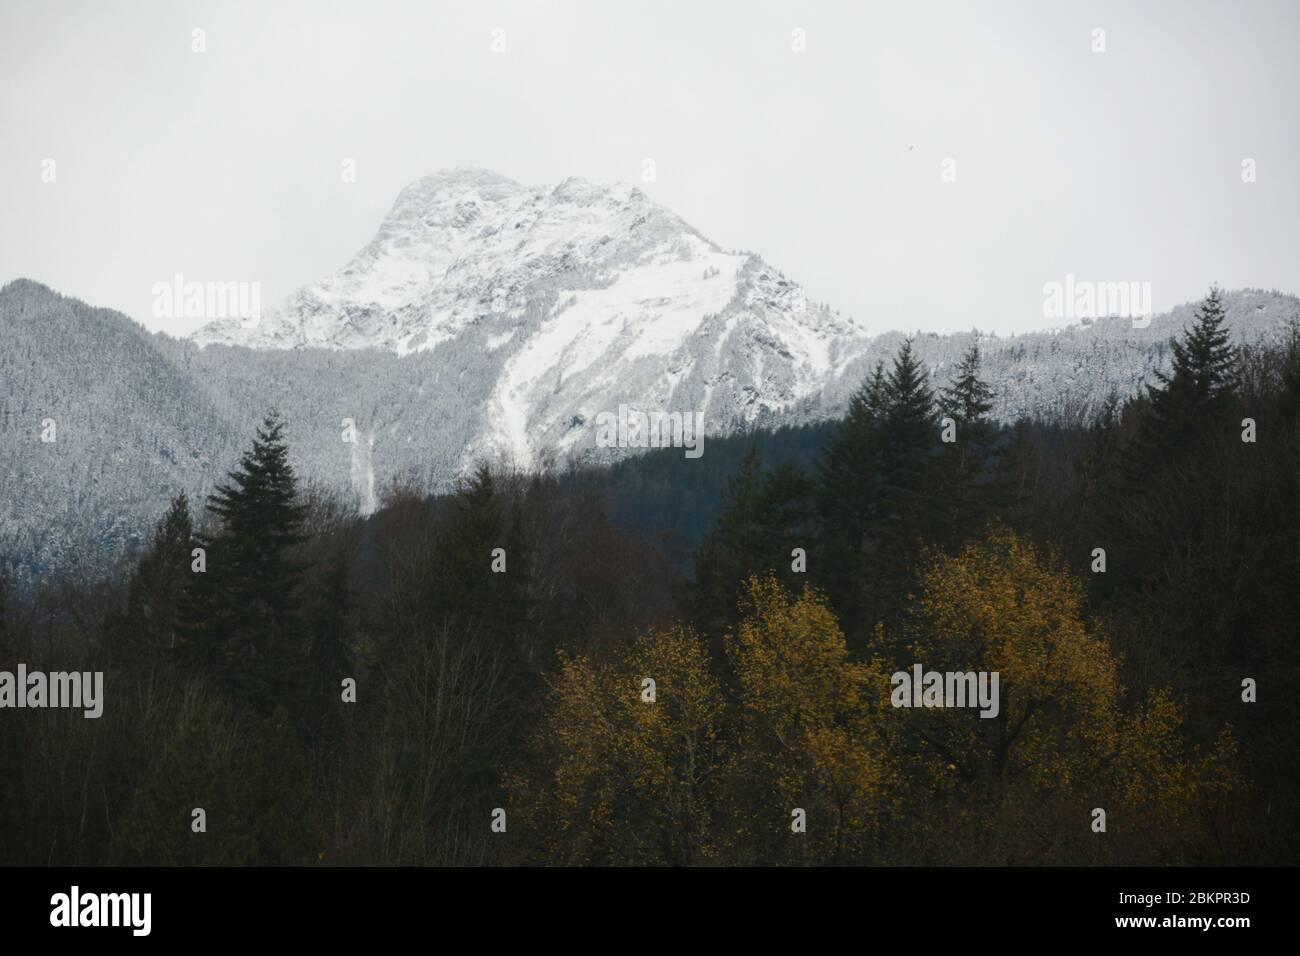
(486, 321)
(577, 299)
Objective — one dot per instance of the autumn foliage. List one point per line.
(712, 769)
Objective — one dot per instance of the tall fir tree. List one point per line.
(240, 617)
(878, 486)
(971, 489)
(908, 489)
(1199, 387)
(968, 400)
(848, 496)
(478, 586)
(1170, 425)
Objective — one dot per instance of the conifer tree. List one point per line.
(908, 488)
(471, 588)
(1199, 386)
(908, 435)
(970, 491)
(241, 617)
(1174, 421)
(968, 401)
(786, 519)
(474, 526)
(847, 495)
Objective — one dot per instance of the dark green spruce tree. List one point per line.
(240, 619)
(908, 513)
(1193, 396)
(847, 495)
(970, 476)
(1158, 498)
(878, 494)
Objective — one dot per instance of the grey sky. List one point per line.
(225, 165)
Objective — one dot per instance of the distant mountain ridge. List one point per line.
(485, 321)
(551, 305)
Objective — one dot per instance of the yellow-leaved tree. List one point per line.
(623, 769)
(1025, 785)
(782, 760)
(809, 747)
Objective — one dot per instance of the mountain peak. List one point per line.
(458, 181)
(554, 303)
(467, 243)
(469, 174)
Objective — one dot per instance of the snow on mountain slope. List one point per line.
(580, 298)
(524, 313)
(141, 416)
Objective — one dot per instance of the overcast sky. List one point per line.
(225, 165)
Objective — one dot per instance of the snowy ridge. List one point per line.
(524, 313)
(579, 298)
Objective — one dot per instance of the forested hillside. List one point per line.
(97, 426)
(138, 416)
(462, 679)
